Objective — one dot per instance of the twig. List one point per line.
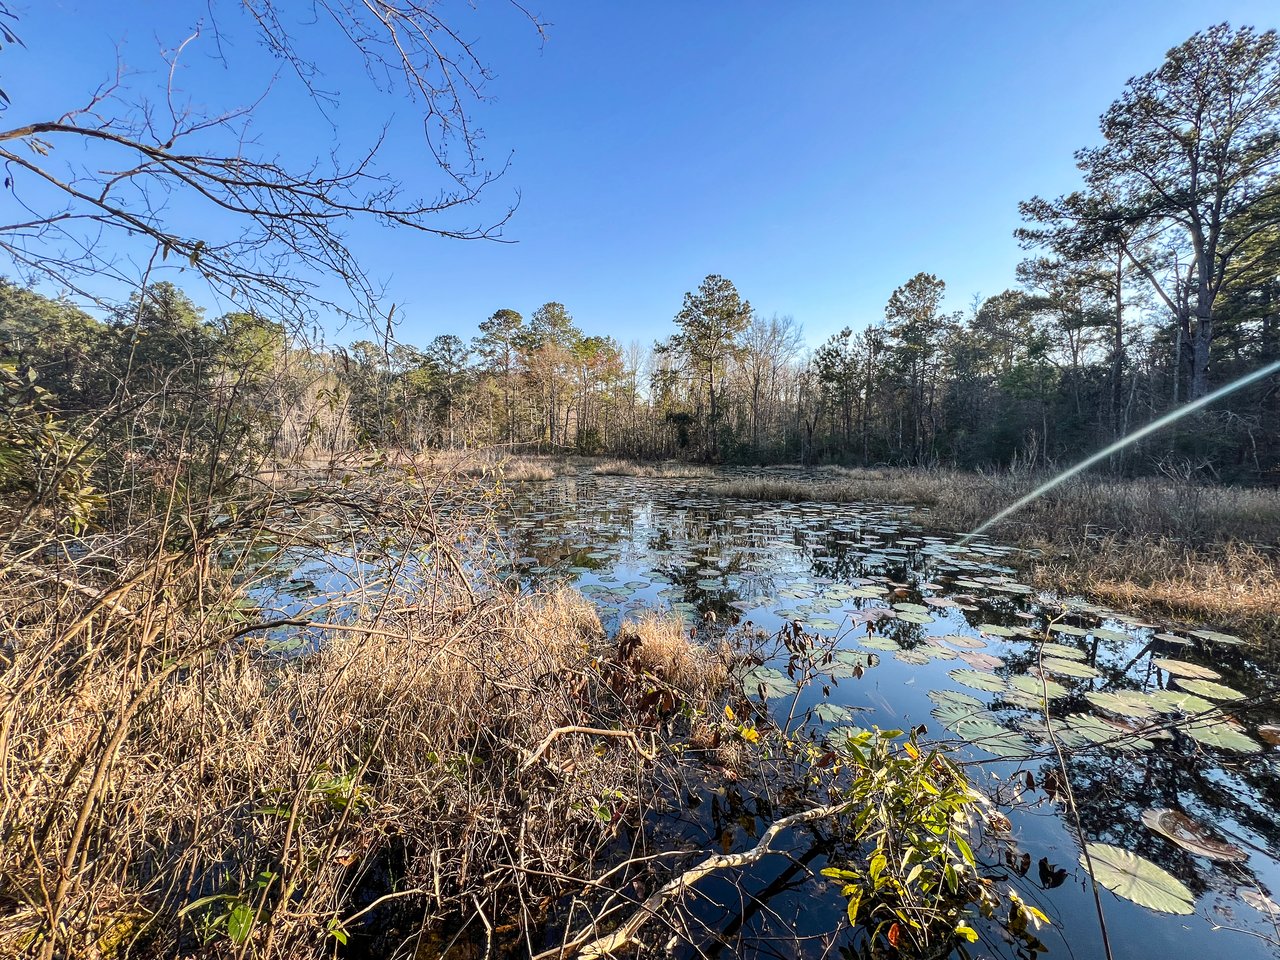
(593, 731)
(625, 935)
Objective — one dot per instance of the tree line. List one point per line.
(1155, 282)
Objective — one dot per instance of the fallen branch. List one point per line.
(625, 935)
(593, 731)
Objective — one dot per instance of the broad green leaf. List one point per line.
(1209, 689)
(1134, 878)
(977, 679)
(773, 683)
(1216, 732)
(1068, 668)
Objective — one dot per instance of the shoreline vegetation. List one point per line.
(428, 759)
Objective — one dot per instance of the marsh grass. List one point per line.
(670, 469)
(1172, 547)
(173, 782)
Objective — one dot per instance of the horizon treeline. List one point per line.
(1155, 283)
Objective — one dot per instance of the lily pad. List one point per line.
(1217, 732)
(1037, 687)
(1134, 878)
(1177, 826)
(1213, 636)
(879, 643)
(1060, 650)
(832, 712)
(1126, 703)
(964, 643)
(768, 682)
(977, 679)
(1068, 668)
(995, 630)
(1209, 689)
(1181, 668)
(1068, 629)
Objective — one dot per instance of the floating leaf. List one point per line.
(920, 618)
(773, 683)
(977, 680)
(1209, 689)
(1213, 636)
(980, 661)
(1179, 701)
(832, 713)
(1270, 732)
(1068, 629)
(1037, 687)
(964, 643)
(1177, 826)
(1126, 703)
(1262, 903)
(1216, 732)
(1134, 878)
(1181, 668)
(995, 630)
(1051, 649)
(879, 643)
(1105, 633)
(916, 658)
(1068, 668)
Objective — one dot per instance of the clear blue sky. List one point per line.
(816, 153)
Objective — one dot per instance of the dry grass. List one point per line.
(670, 469)
(516, 468)
(658, 645)
(171, 787)
(1233, 586)
(1192, 550)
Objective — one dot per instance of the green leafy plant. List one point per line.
(918, 880)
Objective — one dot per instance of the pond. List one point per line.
(1168, 731)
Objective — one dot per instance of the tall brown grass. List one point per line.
(428, 772)
(670, 469)
(1172, 547)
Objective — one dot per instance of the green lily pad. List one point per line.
(879, 643)
(916, 658)
(769, 682)
(832, 713)
(1126, 703)
(1179, 701)
(1134, 878)
(1061, 650)
(1216, 732)
(995, 630)
(1068, 668)
(920, 618)
(977, 679)
(1209, 689)
(1068, 629)
(1036, 687)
